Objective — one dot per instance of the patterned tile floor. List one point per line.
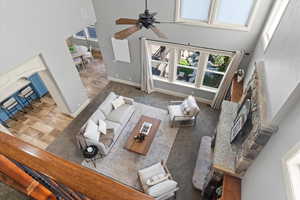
(41, 125)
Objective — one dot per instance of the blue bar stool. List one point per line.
(26, 94)
(10, 106)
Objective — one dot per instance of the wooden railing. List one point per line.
(76, 177)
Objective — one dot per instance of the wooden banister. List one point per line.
(32, 187)
(76, 177)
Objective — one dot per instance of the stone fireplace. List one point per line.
(235, 157)
(258, 129)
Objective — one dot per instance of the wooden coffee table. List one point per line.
(142, 147)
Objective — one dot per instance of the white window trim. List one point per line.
(291, 172)
(276, 9)
(212, 23)
(200, 71)
(86, 32)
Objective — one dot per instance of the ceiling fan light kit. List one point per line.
(146, 20)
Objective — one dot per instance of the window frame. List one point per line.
(276, 10)
(86, 32)
(290, 164)
(202, 64)
(212, 21)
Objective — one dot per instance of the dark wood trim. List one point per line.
(76, 177)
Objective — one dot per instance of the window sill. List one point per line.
(215, 26)
(185, 84)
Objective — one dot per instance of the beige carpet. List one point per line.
(122, 165)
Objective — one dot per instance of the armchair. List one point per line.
(157, 181)
(183, 111)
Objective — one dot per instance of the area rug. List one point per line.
(123, 165)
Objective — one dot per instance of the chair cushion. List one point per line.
(175, 110)
(91, 131)
(149, 172)
(106, 107)
(97, 115)
(118, 102)
(122, 114)
(162, 188)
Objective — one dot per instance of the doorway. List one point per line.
(31, 107)
(88, 60)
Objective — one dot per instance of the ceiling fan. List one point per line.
(146, 20)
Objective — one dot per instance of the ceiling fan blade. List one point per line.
(127, 32)
(157, 32)
(127, 21)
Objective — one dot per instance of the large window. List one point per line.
(87, 33)
(274, 20)
(230, 14)
(189, 66)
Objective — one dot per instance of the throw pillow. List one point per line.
(107, 139)
(102, 126)
(156, 179)
(118, 102)
(91, 131)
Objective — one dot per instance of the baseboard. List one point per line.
(82, 107)
(168, 92)
(131, 83)
(177, 94)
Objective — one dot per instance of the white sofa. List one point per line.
(115, 119)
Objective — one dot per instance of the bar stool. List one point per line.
(10, 106)
(26, 94)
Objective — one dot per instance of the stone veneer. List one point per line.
(261, 130)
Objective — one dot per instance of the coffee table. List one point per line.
(142, 147)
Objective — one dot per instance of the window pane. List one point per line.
(81, 34)
(218, 63)
(187, 75)
(195, 9)
(160, 53)
(189, 58)
(92, 32)
(160, 69)
(235, 12)
(212, 80)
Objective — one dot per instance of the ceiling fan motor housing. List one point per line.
(146, 19)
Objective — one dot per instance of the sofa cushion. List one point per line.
(192, 108)
(91, 131)
(106, 107)
(98, 115)
(162, 188)
(122, 114)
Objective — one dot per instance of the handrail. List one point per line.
(76, 177)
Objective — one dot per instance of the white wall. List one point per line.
(264, 179)
(196, 35)
(281, 59)
(31, 27)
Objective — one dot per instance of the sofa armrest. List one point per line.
(101, 147)
(129, 101)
